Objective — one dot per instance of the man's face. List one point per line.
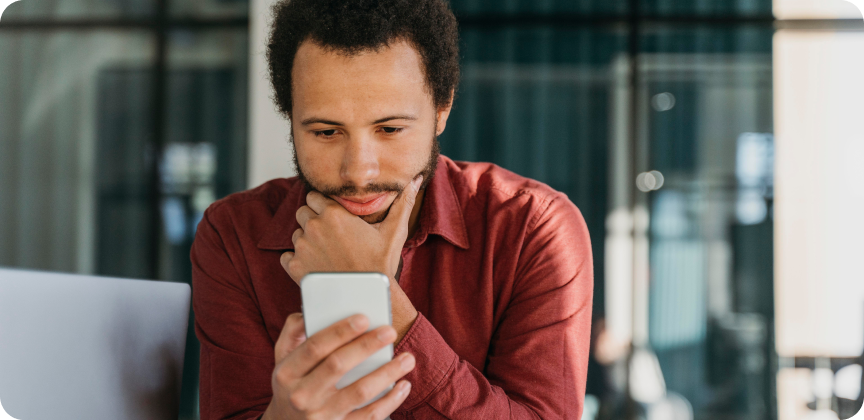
(364, 125)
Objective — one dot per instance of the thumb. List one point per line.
(293, 334)
(400, 211)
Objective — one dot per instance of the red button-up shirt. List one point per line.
(500, 270)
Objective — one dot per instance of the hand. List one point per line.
(332, 239)
(304, 380)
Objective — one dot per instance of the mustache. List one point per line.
(349, 190)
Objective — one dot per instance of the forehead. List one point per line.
(389, 79)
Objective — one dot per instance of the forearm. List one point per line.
(447, 387)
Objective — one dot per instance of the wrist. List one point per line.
(404, 313)
(404, 326)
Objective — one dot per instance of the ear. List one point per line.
(443, 114)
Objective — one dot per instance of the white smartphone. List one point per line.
(330, 297)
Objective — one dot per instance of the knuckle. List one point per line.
(312, 224)
(299, 245)
(281, 377)
(336, 364)
(299, 400)
(374, 414)
(285, 260)
(315, 349)
(293, 267)
(330, 208)
(363, 394)
(292, 263)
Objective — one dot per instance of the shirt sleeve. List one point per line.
(538, 358)
(236, 351)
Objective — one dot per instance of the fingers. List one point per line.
(400, 211)
(285, 259)
(290, 268)
(385, 406)
(293, 334)
(295, 236)
(319, 346)
(369, 386)
(304, 214)
(318, 202)
(326, 374)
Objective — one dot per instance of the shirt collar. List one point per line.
(278, 233)
(440, 214)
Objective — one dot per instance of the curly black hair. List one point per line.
(355, 26)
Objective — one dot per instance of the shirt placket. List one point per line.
(407, 254)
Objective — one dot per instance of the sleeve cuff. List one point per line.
(435, 360)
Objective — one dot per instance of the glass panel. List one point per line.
(208, 8)
(80, 9)
(205, 122)
(536, 101)
(588, 7)
(205, 154)
(53, 96)
(706, 7)
(706, 113)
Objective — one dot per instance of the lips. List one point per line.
(363, 206)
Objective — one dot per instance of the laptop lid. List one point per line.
(86, 347)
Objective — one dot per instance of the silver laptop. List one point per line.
(84, 347)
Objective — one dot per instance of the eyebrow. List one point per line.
(314, 120)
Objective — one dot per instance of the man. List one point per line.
(491, 273)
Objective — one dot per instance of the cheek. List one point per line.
(405, 159)
(318, 160)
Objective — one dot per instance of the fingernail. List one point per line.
(356, 323)
(404, 387)
(406, 362)
(386, 334)
(418, 181)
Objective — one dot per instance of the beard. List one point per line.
(428, 173)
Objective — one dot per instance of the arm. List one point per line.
(242, 369)
(538, 358)
(236, 351)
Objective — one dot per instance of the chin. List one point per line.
(376, 217)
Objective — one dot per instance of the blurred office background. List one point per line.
(726, 280)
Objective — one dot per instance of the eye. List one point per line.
(325, 133)
(392, 130)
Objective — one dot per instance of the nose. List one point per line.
(359, 162)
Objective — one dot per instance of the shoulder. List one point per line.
(503, 193)
(270, 195)
(258, 203)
